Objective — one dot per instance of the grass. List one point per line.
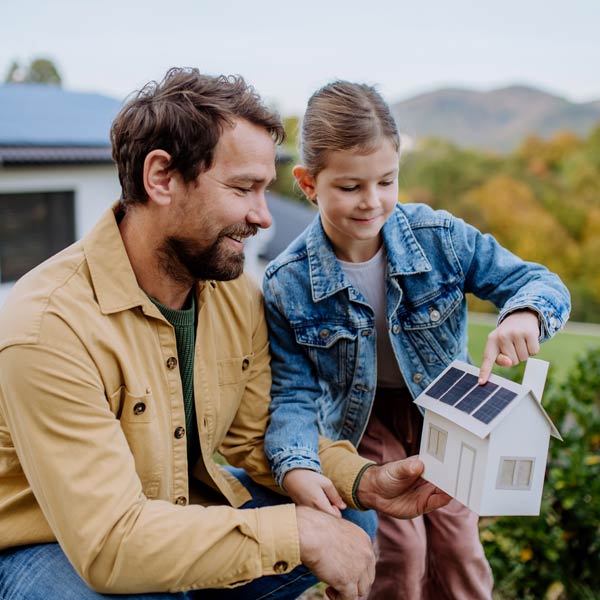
(561, 351)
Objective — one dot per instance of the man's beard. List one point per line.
(185, 261)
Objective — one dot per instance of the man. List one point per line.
(131, 357)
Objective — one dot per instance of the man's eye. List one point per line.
(243, 190)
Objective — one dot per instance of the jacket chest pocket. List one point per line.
(137, 415)
(331, 348)
(435, 327)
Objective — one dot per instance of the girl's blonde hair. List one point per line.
(344, 116)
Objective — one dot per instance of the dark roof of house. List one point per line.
(13, 156)
(290, 218)
(47, 115)
(47, 125)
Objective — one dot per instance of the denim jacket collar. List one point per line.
(326, 275)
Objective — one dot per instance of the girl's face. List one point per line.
(355, 193)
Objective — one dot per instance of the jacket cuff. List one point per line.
(294, 458)
(342, 464)
(280, 543)
(550, 319)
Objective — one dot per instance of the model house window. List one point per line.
(33, 227)
(436, 443)
(515, 473)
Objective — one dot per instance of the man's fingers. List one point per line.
(408, 468)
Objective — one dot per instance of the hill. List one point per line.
(496, 120)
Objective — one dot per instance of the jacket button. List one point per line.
(435, 315)
(280, 566)
(179, 432)
(245, 364)
(396, 329)
(417, 377)
(366, 332)
(181, 500)
(323, 334)
(139, 408)
(171, 362)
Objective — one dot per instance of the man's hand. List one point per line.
(337, 552)
(309, 488)
(396, 488)
(512, 342)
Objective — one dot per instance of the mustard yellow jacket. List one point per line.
(92, 439)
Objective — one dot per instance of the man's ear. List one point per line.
(157, 177)
(306, 182)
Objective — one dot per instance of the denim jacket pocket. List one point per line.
(331, 347)
(434, 327)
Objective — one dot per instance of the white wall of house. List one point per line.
(96, 187)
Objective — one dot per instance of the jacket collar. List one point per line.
(405, 256)
(112, 276)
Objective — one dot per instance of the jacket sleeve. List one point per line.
(75, 456)
(244, 444)
(494, 273)
(292, 439)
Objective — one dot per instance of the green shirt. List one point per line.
(184, 323)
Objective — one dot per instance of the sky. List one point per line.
(289, 49)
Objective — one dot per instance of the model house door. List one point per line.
(464, 480)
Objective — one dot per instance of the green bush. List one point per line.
(556, 556)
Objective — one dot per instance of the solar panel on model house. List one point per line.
(487, 400)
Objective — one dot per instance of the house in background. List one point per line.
(487, 445)
(57, 177)
(56, 172)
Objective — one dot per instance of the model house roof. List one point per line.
(457, 396)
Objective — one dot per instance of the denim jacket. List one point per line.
(322, 330)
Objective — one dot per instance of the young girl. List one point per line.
(365, 309)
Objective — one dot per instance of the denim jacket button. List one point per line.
(396, 329)
(553, 323)
(324, 334)
(365, 332)
(434, 315)
(417, 377)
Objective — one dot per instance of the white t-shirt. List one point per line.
(369, 279)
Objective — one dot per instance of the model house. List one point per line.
(487, 445)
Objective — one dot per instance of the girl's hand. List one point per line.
(513, 341)
(309, 488)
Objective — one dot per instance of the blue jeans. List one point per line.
(42, 571)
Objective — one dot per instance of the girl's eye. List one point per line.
(349, 188)
(386, 183)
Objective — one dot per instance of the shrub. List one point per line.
(556, 556)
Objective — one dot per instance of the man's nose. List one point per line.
(259, 213)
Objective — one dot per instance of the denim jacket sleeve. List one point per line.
(494, 273)
(292, 436)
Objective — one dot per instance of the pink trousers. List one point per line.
(434, 557)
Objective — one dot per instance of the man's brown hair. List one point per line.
(184, 115)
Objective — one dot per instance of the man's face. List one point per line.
(226, 204)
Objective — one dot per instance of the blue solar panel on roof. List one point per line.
(495, 405)
(456, 392)
(474, 398)
(442, 385)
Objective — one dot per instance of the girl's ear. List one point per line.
(157, 176)
(306, 182)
